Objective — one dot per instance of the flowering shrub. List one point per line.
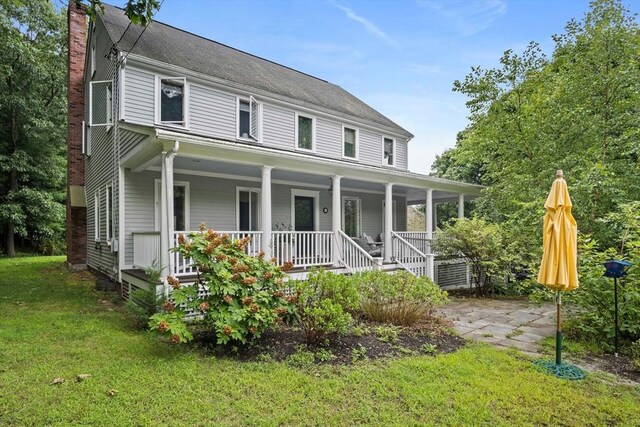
(400, 298)
(238, 295)
(322, 303)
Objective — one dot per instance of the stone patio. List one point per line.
(503, 323)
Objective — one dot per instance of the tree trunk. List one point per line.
(9, 246)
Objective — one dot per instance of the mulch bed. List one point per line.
(282, 343)
(620, 366)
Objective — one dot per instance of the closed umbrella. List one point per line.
(559, 267)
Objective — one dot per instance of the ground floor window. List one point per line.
(248, 209)
(351, 216)
(180, 205)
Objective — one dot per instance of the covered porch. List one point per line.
(310, 211)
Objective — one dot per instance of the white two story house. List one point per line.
(180, 130)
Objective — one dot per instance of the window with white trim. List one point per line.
(109, 212)
(349, 143)
(93, 58)
(101, 103)
(96, 216)
(305, 132)
(388, 151)
(248, 209)
(248, 118)
(181, 205)
(172, 101)
(351, 216)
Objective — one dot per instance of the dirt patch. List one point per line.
(620, 366)
(369, 341)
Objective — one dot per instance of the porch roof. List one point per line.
(289, 165)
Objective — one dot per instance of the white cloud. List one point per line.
(468, 16)
(367, 24)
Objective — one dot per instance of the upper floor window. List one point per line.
(388, 151)
(249, 119)
(305, 133)
(100, 103)
(172, 101)
(350, 143)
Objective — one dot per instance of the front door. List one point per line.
(304, 212)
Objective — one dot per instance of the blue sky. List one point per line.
(401, 57)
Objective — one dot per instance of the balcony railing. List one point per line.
(184, 266)
(303, 248)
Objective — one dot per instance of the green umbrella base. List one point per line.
(564, 370)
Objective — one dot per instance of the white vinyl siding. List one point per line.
(279, 127)
(370, 148)
(139, 96)
(212, 112)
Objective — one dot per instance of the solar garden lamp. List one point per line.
(616, 269)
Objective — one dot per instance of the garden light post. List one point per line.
(616, 269)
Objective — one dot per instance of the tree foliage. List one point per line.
(32, 124)
(139, 12)
(578, 110)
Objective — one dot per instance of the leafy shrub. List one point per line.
(323, 302)
(387, 333)
(238, 296)
(400, 298)
(483, 245)
(145, 303)
(595, 296)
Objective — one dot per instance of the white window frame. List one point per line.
(92, 58)
(316, 206)
(185, 103)
(394, 215)
(109, 107)
(108, 213)
(357, 153)
(96, 216)
(359, 219)
(259, 214)
(157, 198)
(313, 133)
(249, 100)
(384, 161)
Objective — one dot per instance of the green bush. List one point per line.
(400, 298)
(484, 246)
(595, 296)
(323, 303)
(243, 294)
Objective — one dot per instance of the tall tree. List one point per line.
(578, 110)
(32, 122)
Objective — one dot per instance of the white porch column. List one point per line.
(166, 211)
(428, 224)
(336, 217)
(460, 205)
(428, 214)
(388, 220)
(265, 201)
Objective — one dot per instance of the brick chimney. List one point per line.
(76, 202)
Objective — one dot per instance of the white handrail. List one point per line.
(355, 258)
(184, 266)
(409, 257)
(419, 239)
(303, 248)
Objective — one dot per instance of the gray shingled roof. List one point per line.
(167, 44)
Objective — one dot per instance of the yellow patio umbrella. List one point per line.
(559, 267)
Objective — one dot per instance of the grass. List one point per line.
(52, 324)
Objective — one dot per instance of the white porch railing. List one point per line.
(146, 248)
(303, 248)
(354, 258)
(410, 257)
(418, 239)
(183, 266)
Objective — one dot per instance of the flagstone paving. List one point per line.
(503, 323)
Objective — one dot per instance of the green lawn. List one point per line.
(52, 324)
